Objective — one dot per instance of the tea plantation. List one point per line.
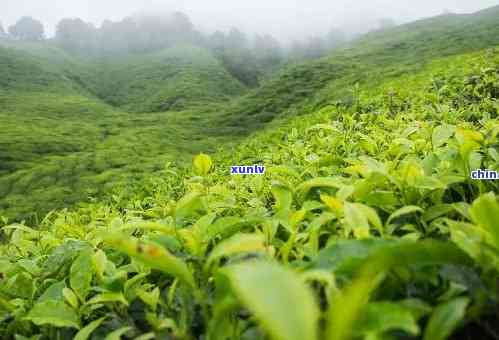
(65, 139)
(365, 225)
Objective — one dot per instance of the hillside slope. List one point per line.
(368, 60)
(75, 127)
(43, 110)
(365, 225)
(21, 71)
(173, 79)
(64, 139)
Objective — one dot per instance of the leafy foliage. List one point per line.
(75, 127)
(366, 225)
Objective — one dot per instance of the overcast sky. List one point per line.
(284, 19)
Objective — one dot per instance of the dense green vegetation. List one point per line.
(171, 80)
(366, 225)
(66, 135)
(368, 61)
(73, 127)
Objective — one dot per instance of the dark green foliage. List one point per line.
(66, 136)
(171, 80)
(82, 142)
(366, 225)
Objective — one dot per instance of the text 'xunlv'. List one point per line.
(247, 170)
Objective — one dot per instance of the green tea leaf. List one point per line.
(63, 255)
(30, 266)
(70, 297)
(348, 255)
(283, 197)
(322, 182)
(188, 205)
(226, 226)
(194, 237)
(146, 336)
(380, 317)
(99, 260)
(384, 199)
(372, 217)
(150, 298)
(403, 211)
(80, 277)
(417, 307)
(130, 287)
(108, 297)
(85, 332)
(314, 229)
(238, 243)
(202, 164)
(373, 165)
(356, 219)
(437, 211)
(350, 303)
(485, 213)
(114, 282)
(53, 292)
(282, 303)
(55, 313)
(467, 237)
(116, 335)
(154, 256)
(20, 285)
(441, 134)
(445, 318)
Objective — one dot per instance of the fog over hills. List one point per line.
(284, 19)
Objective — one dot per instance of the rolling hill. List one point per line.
(74, 127)
(368, 60)
(170, 80)
(366, 225)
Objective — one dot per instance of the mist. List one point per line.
(284, 19)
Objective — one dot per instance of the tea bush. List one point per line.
(366, 225)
